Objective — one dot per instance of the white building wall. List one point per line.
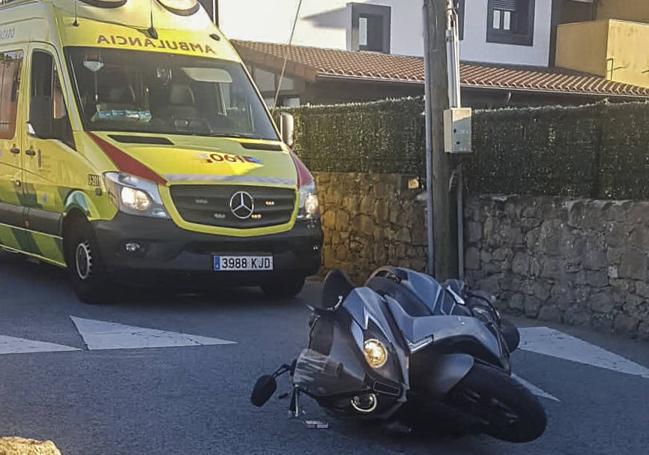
(475, 47)
(327, 23)
(323, 23)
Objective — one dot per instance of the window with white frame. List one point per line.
(511, 22)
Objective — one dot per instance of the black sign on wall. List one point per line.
(212, 8)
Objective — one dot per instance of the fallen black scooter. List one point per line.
(409, 353)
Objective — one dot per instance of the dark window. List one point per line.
(48, 115)
(371, 28)
(511, 22)
(10, 65)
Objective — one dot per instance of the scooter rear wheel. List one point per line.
(506, 409)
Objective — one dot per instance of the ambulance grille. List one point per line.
(229, 206)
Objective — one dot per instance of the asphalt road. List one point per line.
(194, 400)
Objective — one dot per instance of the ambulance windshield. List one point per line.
(127, 91)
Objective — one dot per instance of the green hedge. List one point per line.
(598, 151)
(624, 161)
(382, 137)
(535, 151)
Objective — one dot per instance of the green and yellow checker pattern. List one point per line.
(22, 239)
(45, 247)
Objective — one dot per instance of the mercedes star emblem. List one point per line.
(242, 205)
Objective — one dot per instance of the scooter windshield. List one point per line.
(329, 366)
(335, 362)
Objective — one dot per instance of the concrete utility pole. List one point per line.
(442, 210)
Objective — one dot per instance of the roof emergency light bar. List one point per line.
(178, 7)
(105, 3)
(181, 7)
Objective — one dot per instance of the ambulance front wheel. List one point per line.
(86, 269)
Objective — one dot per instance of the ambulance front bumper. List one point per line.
(164, 247)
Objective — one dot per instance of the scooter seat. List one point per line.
(337, 286)
(408, 300)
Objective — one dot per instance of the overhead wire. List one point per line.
(286, 55)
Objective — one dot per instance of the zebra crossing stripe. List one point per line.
(101, 335)
(553, 343)
(534, 389)
(11, 345)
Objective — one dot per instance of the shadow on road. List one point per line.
(18, 272)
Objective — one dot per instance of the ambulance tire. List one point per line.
(284, 288)
(87, 272)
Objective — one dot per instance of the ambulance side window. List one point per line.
(48, 115)
(10, 66)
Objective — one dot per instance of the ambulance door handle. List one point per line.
(15, 150)
(30, 152)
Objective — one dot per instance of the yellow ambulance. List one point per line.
(134, 145)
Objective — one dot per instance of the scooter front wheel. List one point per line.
(511, 334)
(505, 408)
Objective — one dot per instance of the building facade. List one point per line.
(370, 44)
(390, 26)
(514, 32)
(612, 45)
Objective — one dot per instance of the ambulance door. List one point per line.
(11, 173)
(49, 153)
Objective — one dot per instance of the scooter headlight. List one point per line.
(375, 352)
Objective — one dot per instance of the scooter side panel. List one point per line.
(448, 327)
(448, 370)
(442, 328)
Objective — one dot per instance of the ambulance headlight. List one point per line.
(135, 196)
(309, 203)
(135, 199)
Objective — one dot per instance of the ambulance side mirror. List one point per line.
(287, 128)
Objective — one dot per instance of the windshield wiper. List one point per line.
(239, 136)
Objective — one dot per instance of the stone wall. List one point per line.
(580, 262)
(370, 220)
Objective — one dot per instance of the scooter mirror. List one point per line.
(263, 391)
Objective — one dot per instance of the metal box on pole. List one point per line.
(458, 130)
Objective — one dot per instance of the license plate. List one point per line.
(243, 263)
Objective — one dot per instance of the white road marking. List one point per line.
(100, 335)
(11, 345)
(535, 390)
(542, 340)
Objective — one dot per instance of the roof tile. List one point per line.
(319, 62)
